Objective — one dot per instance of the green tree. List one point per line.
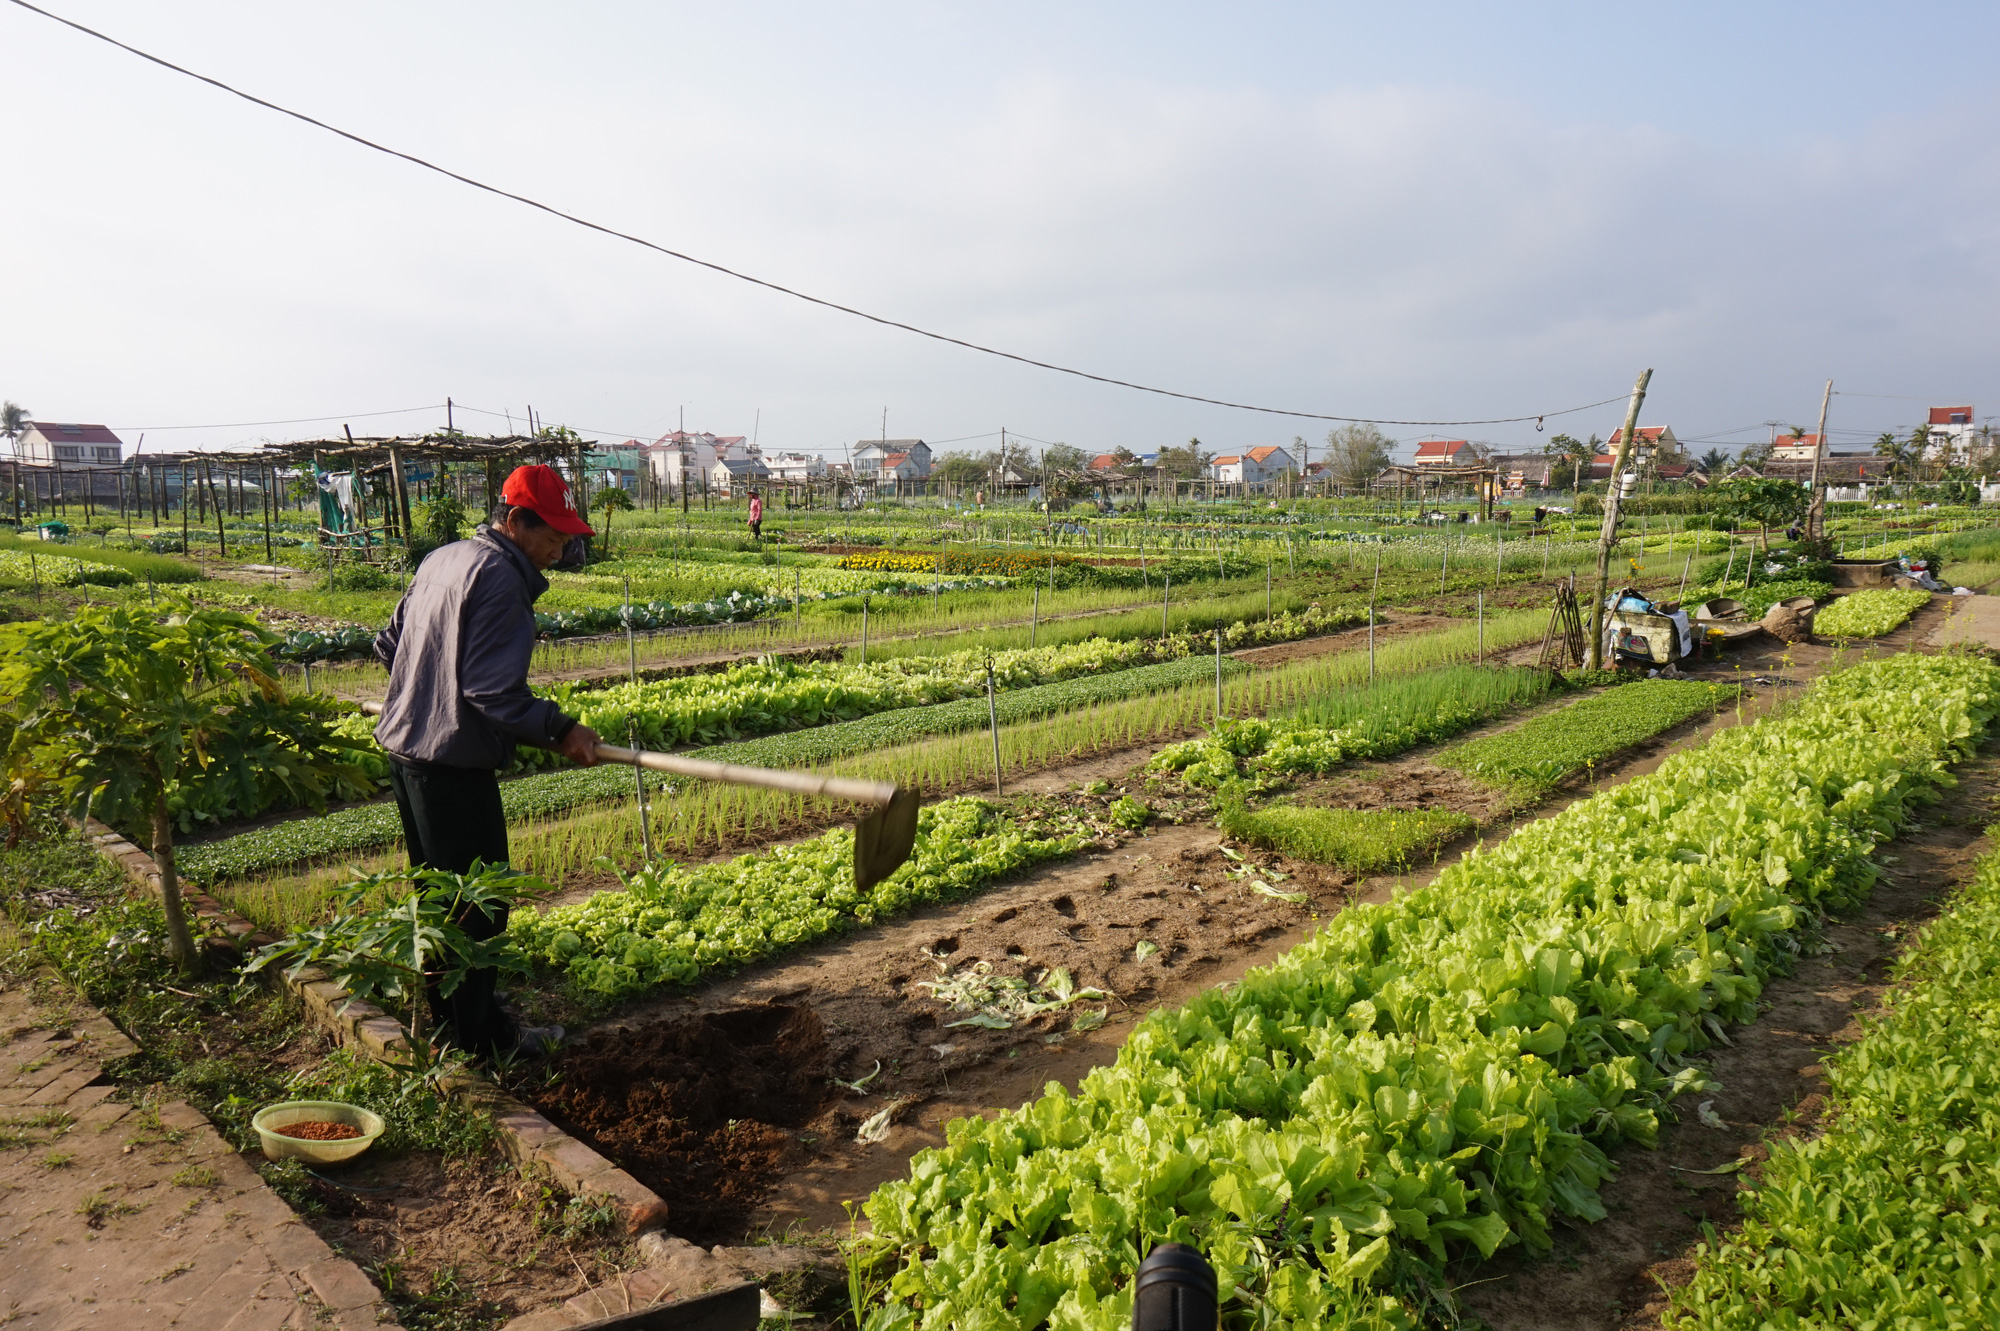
(962, 469)
(14, 420)
(1014, 457)
(1566, 450)
(606, 502)
(1356, 454)
(1189, 463)
(1714, 461)
(1064, 457)
(115, 706)
(1904, 455)
(1768, 502)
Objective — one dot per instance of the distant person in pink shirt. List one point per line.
(756, 515)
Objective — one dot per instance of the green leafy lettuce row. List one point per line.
(1869, 613)
(1761, 596)
(671, 923)
(1889, 1219)
(1443, 1072)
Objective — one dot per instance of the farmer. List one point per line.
(756, 516)
(457, 650)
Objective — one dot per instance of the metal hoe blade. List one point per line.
(883, 839)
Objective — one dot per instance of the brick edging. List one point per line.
(526, 1136)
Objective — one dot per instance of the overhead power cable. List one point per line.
(300, 420)
(414, 160)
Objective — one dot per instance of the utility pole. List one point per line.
(1625, 437)
(1816, 506)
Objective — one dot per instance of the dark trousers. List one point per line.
(451, 817)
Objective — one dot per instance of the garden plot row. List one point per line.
(676, 924)
(1057, 724)
(1884, 1219)
(751, 699)
(982, 1000)
(1442, 1073)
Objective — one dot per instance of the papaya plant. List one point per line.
(111, 707)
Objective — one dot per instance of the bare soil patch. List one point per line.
(701, 1109)
(422, 1224)
(865, 994)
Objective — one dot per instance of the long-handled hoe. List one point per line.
(883, 837)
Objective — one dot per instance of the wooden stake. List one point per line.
(1610, 533)
(993, 720)
(1816, 508)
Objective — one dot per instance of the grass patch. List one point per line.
(1359, 840)
(1546, 749)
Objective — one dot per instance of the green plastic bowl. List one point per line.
(277, 1146)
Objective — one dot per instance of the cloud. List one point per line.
(1382, 249)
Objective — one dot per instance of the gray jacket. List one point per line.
(457, 649)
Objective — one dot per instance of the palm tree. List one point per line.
(14, 420)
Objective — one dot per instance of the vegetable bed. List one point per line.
(1545, 749)
(1358, 840)
(544, 795)
(1886, 1220)
(1378, 720)
(1443, 1073)
(1869, 613)
(671, 924)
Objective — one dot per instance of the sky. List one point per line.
(1416, 212)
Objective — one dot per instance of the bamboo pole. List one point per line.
(1610, 533)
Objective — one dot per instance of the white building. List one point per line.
(46, 443)
(1800, 449)
(685, 455)
(87, 455)
(796, 467)
(1952, 430)
(731, 476)
(1256, 467)
(892, 459)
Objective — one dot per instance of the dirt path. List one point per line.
(140, 1216)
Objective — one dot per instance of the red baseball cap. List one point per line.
(542, 491)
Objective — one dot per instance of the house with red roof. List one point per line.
(1443, 452)
(1951, 427)
(1800, 449)
(1254, 467)
(1660, 437)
